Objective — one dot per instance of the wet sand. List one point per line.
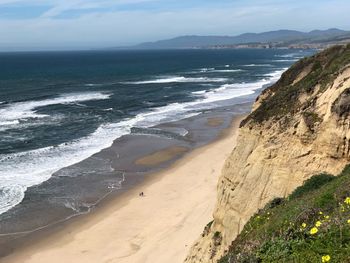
(159, 227)
(215, 122)
(161, 156)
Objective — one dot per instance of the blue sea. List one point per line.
(59, 108)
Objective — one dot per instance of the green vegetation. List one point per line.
(217, 235)
(284, 100)
(311, 184)
(311, 225)
(207, 229)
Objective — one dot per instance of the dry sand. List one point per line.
(159, 227)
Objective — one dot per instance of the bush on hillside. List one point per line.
(311, 184)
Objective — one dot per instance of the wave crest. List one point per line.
(16, 111)
(180, 79)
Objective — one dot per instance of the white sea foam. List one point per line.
(23, 110)
(207, 84)
(18, 171)
(200, 92)
(225, 70)
(258, 65)
(21, 125)
(230, 91)
(9, 123)
(275, 75)
(291, 55)
(94, 85)
(214, 70)
(21, 170)
(285, 60)
(206, 69)
(180, 79)
(228, 70)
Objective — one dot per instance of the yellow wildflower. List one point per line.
(347, 201)
(326, 217)
(318, 224)
(303, 225)
(313, 230)
(326, 258)
(348, 221)
(321, 213)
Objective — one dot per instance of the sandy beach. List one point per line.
(159, 227)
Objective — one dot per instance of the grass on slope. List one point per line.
(311, 225)
(325, 67)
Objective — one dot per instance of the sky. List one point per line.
(86, 24)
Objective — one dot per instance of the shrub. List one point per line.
(217, 234)
(276, 202)
(311, 184)
(217, 238)
(207, 229)
(209, 224)
(346, 170)
(326, 200)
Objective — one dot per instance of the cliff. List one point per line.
(310, 225)
(299, 127)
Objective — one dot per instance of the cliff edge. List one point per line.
(298, 127)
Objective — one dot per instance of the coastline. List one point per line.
(130, 228)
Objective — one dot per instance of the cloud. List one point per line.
(115, 25)
(65, 6)
(58, 7)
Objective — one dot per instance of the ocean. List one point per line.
(59, 109)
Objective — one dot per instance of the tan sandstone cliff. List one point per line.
(299, 127)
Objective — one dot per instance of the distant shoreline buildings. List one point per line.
(280, 45)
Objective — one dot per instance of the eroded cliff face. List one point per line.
(299, 127)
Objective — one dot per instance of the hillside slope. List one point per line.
(299, 127)
(311, 225)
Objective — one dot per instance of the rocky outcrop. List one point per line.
(299, 127)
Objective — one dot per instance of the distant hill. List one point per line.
(284, 36)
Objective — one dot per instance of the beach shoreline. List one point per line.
(141, 229)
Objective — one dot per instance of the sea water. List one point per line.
(59, 108)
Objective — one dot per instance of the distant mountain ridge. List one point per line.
(285, 36)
